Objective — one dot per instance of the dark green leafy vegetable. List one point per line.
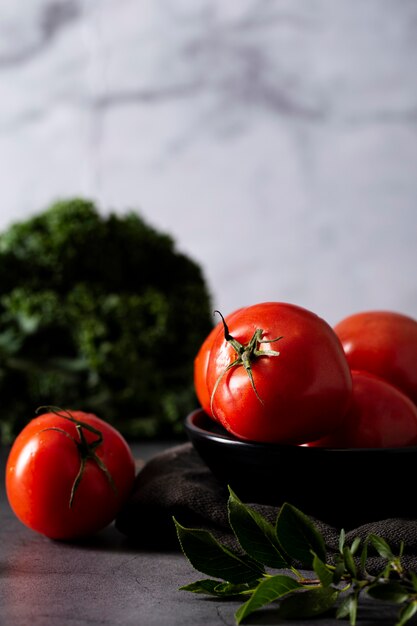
(102, 314)
(330, 586)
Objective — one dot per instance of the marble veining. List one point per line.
(274, 139)
(22, 42)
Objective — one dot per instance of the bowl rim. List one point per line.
(197, 431)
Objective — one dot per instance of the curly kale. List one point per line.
(101, 314)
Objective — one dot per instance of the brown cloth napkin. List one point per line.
(177, 483)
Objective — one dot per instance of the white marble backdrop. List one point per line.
(276, 140)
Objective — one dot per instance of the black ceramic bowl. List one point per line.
(345, 487)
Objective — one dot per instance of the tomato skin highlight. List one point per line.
(383, 343)
(380, 416)
(303, 393)
(201, 363)
(43, 464)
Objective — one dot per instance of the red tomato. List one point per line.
(383, 343)
(298, 395)
(380, 416)
(201, 362)
(42, 469)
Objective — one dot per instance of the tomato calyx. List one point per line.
(86, 450)
(246, 353)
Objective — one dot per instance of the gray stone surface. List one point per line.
(105, 581)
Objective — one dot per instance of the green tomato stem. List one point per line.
(85, 449)
(246, 353)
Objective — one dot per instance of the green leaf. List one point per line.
(342, 539)
(206, 585)
(389, 591)
(215, 588)
(254, 533)
(349, 562)
(344, 607)
(381, 546)
(229, 589)
(308, 603)
(269, 590)
(339, 569)
(355, 545)
(364, 556)
(348, 608)
(210, 557)
(298, 536)
(324, 574)
(407, 613)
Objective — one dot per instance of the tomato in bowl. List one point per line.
(345, 487)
